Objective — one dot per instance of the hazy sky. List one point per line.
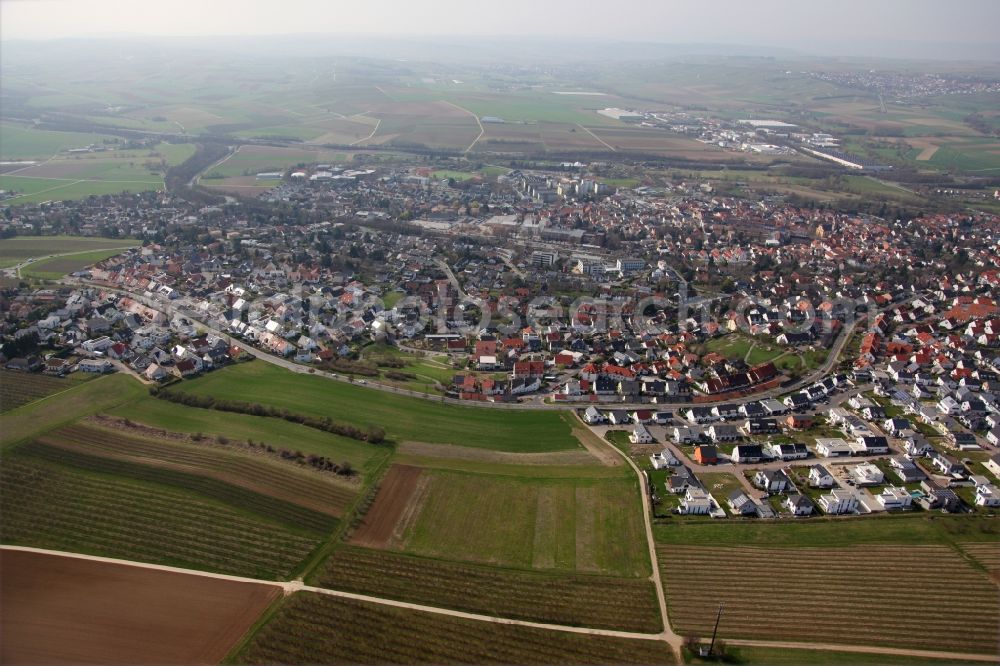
(936, 28)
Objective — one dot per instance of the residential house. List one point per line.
(696, 502)
(832, 447)
(593, 416)
(907, 470)
(839, 501)
(820, 477)
(747, 454)
(794, 451)
(706, 454)
(867, 474)
(894, 498)
(798, 505)
(723, 433)
(772, 480)
(741, 504)
(686, 435)
(640, 435)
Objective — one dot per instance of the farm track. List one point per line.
(768, 590)
(298, 487)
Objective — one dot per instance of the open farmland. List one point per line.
(907, 596)
(582, 525)
(15, 250)
(171, 417)
(543, 596)
(34, 419)
(403, 418)
(57, 267)
(23, 142)
(69, 610)
(20, 388)
(315, 628)
(322, 493)
(75, 176)
(51, 499)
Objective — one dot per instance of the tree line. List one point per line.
(373, 434)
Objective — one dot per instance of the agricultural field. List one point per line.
(316, 628)
(73, 176)
(581, 525)
(15, 250)
(70, 610)
(57, 267)
(96, 395)
(757, 656)
(323, 493)
(19, 388)
(403, 418)
(770, 593)
(574, 524)
(869, 568)
(21, 142)
(169, 416)
(52, 499)
(574, 599)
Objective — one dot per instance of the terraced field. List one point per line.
(20, 388)
(280, 481)
(905, 596)
(314, 628)
(575, 599)
(60, 506)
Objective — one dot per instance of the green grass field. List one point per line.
(57, 267)
(20, 142)
(17, 249)
(19, 388)
(901, 529)
(403, 418)
(313, 628)
(172, 417)
(60, 409)
(583, 525)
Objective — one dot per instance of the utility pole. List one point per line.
(711, 646)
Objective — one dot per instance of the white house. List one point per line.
(832, 447)
(798, 505)
(987, 495)
(839, 501)
(592, 415)
(663, 459)
(686, 435)
(696, 502)
(640, 435)
(895, 498)
(867, 474)
(820, 477)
